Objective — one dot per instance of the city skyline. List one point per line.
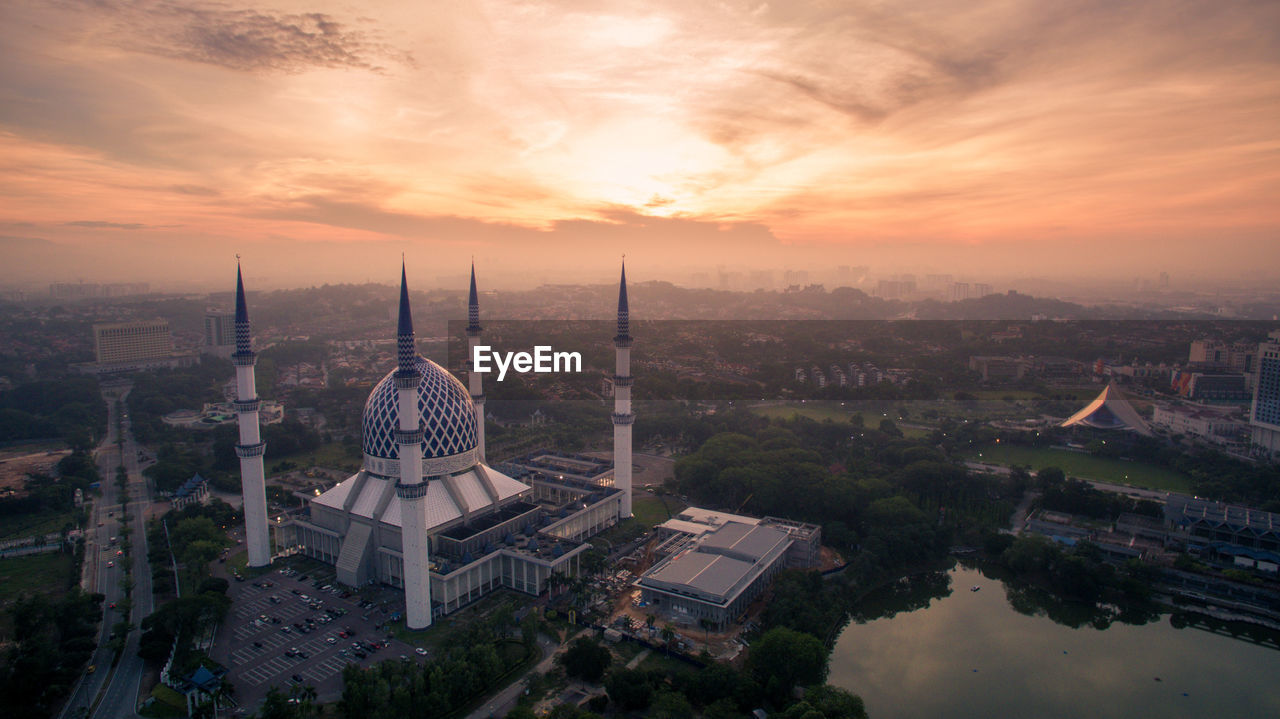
(147, 140)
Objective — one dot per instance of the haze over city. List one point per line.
(591, 359)
(152, 141)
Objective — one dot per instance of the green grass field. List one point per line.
(1084, 466)
(822, 411)
(651, 510)
(34, 574)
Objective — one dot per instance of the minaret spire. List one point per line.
(405, 349)
(624, 315)
(243, 344)
(251, 447)
(475, 380)
(623, 418)
(411, 490)
(473, 304)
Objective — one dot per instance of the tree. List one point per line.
(529, 630)
(586, 659)
(668, 634)
(782, 659)
(723, 708)
(629, 689)
(670, 705)
(835, 703)
(707, 626)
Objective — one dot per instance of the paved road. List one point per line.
(102, 572)
(1019, 518)
(1152, 494)
(121, 696)
(96, 574)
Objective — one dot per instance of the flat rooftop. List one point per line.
(743, 541)
(710, 574)
(713, 517)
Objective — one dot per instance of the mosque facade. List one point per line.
(426, 513)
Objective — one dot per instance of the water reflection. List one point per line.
(927, 646)
(905, 595)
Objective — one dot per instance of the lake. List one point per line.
(941, 650)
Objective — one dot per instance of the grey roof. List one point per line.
(711, 574)
(743, 541)
(1181, 508)
(722, 564)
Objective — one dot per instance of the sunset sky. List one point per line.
(153, 140)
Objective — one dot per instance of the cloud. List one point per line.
(101, 225)
(537, 126)
(197, 190)
(244, 39)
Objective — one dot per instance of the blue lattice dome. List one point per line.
(448, 422)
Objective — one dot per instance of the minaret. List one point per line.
(622, 415)
(411, 489)
(251, 446)
(475, 379)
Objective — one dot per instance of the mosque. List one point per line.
(426, 513)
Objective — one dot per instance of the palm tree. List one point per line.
(706, 631)
(668, 634)
(306, 696)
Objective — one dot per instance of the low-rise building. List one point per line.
(1211, 424)
(717, 563)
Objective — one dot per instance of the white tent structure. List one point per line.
(1109, 410)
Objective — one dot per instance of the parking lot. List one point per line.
(286, 628)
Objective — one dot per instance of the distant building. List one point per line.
(1264, 413)
(1210, 386)
(1058, 368)
(1211, 424)
(1239, 357)
(896, 289)
(132, 341)
(938, 282)
(998, 368)
(1148, 373)
(219, 334)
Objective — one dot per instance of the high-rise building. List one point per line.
(219, 333)
(132, 341)
(1264, 414)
